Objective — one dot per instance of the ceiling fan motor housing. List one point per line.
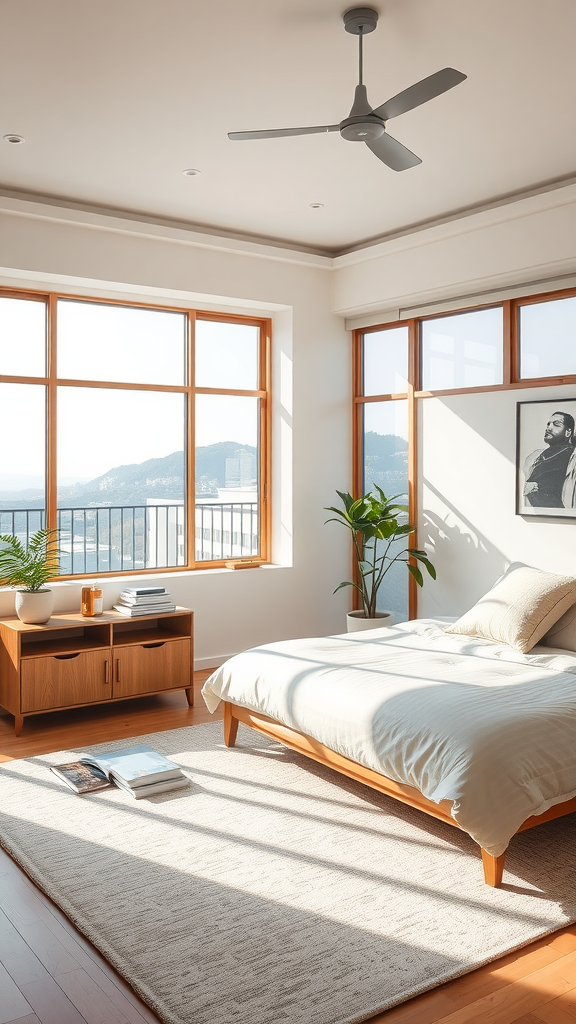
(360, 20)
(362, 129)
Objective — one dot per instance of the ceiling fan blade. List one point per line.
(393, 153)
(282, 133)
(423, 91)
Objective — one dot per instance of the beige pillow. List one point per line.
(563, 633)
(520, 608)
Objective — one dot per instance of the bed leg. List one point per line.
(493, 869)
(230, 725)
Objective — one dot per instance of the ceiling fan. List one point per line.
(365, 123)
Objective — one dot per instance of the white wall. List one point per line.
(49, 246)
(468, 495)
(467, 442)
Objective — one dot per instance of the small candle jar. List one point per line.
(91, 602)
(86, 601)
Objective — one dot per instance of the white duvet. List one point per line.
(491, 730)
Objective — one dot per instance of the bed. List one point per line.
(469, 731)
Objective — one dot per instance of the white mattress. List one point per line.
(476, 723)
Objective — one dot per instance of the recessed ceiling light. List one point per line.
(16, 140)
(191, 172)
(316, 206)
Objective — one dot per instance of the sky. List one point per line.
(463, 350)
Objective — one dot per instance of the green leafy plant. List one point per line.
(29, 568)
(376, 523)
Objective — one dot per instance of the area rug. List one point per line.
(272, 890)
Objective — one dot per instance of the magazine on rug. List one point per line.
(135, 766)
(81, 778)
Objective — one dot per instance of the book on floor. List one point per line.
(81, 777)
(151, 788)
(135, 766)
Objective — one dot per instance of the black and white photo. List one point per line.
(546, 458)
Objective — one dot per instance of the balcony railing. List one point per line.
(226, 530)
(119, 538)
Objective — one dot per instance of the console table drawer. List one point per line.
(148, 668)
(63, 680)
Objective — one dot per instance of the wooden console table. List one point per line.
(72, 661)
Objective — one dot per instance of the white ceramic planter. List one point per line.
(34, 606)
(357, 620)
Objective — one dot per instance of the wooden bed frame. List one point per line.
(493, 866)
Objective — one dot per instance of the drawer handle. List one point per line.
(67, 657)
(159, 644)
(117, 670)
(106, 671)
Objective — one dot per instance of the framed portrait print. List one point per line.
(546, 458)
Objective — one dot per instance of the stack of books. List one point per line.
(144, 601)
(139, 770)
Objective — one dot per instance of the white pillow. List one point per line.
(563, 633)
(520, 608)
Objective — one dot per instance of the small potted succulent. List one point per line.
(376, 524)
(28, 570)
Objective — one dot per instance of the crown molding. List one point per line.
(561, 192)
(548, 195)
(59, 211)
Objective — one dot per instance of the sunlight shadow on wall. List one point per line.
(460, 548)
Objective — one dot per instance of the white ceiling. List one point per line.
(116, 97)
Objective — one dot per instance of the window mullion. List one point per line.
(191, 445)
(513, 341)
(265, 469)
(509, 339)
(51, 418)
(413, 381)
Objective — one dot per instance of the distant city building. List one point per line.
(240, 470)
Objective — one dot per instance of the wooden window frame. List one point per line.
(263, 392)
(359, 401)
(511, 381)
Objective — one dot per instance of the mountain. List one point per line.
(226, 464)
(385, 462)
(217, 465)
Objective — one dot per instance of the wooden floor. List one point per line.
(51, 974)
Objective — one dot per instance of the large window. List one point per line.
(516, 343)
(140, 433)
(382, 431)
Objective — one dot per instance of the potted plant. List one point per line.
(376, 523)
(28, 569)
